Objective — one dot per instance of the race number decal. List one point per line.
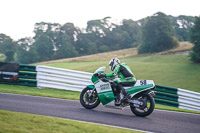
(143, 82)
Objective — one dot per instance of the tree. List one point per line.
(65, 42)
(60, 38)
(182, 25)
(85, 44)
(96, 31)
(25, 52)
(65, 49)
(122, 38)
(70, 30)
(7, 47)
(43, 46)
(158, 34)
(134, 31)
(195, 39)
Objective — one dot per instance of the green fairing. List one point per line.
(91, 86)
(137, 89)
(108, 96)
(94, 79)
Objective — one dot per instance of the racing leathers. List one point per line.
(125, 78)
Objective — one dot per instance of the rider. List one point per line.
(125, 78)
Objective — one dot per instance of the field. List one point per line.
(167, 70)
(13, 122)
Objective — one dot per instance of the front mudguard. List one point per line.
(91, 87)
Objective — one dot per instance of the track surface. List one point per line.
(158, 121)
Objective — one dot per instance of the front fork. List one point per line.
(91, 95)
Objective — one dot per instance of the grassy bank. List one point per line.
(124, 53)
(168, 70)
(13, 122)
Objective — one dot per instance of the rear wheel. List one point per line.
(147, 107)
(89, 98)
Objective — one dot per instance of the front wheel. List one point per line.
(89, 98)
(147, 108)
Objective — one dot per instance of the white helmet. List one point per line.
(113, 63)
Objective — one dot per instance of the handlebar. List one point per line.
(102, 77)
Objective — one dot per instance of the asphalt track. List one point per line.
(159, 121)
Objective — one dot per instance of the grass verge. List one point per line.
(65, 94)
(33, 91)
(15, 122)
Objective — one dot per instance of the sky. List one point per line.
(17, 17)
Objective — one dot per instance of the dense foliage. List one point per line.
(7, 47)
(158, 34)
(195, 39)
(55, 41)
(182, 25)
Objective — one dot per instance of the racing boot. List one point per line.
(126, 95)
(117, 100)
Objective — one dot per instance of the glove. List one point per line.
(100, 75)
(96, 74)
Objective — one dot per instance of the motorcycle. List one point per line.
(141, 102)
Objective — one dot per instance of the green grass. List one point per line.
(162, 107)
(64, 94)
(168, 70)
(13, 122)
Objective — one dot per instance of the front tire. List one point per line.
(89, 98)
(147, 109)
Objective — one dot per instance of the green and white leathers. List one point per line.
(121, 77)
(141, 101)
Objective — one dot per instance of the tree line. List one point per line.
(55, 41)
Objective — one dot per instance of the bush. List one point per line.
(195, 39)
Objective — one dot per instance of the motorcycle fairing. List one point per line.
(106, 95)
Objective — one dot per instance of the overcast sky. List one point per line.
(17, 17)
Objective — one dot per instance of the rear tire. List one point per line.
(147, 109)
(89, 100)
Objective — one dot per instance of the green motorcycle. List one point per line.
(141, 102)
